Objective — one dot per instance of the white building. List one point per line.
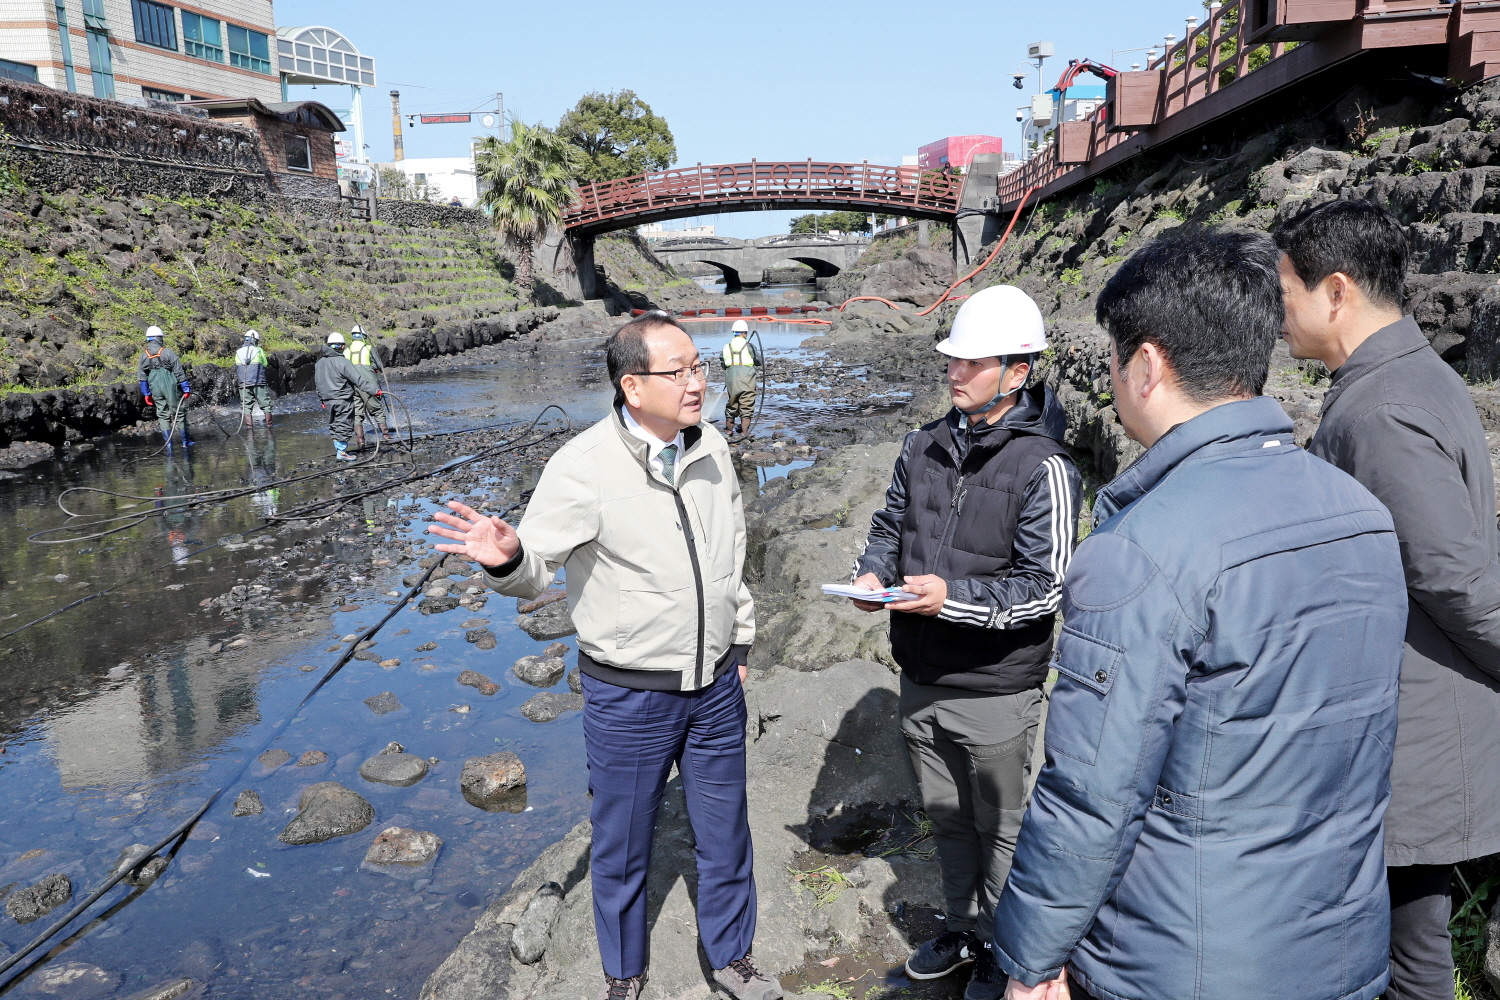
(657, 231)
(134, 49)
(442, 178)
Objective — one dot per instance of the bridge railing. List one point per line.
(1238, 40)
(801, 180)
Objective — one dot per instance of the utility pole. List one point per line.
(400, 152)
(500, 114)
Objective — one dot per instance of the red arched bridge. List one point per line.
(762, 185)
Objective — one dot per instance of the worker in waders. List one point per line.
(339, 383)
(741, 362)
(362, 355)
(250, 368)
(164, 385)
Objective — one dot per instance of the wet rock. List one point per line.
(35, 852)
(478, 681)
(396, 845)
(311, 758)
(390, 664)
(427, 647)
(327, 810)
(40, 899)
(548, 705)
(172, 990)
(272, 759)
(475, 623)
(394, 747)
(482, 636)
(493, 780)
(529, 940)
(74, 979)
(399, 769)
(556, 649)
(143, 874)
(436, 605)
(539, 671)
(551, 622)
(248, 803)
(549, 596)
(575, 681)
(383, 703)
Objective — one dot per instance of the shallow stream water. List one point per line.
(118, 718)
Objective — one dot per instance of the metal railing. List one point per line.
(861, 184)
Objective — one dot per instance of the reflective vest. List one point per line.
(739, 352)
(360, 353)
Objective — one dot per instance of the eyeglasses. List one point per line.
(682, 376)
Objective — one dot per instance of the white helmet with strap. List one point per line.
(996, 322)
(336, 338)
(153, 333)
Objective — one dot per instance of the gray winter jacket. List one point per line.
(1401, 422)
(1208, 821)
(337, 377)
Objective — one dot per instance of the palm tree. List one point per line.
(529, 182)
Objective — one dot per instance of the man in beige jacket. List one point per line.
(643, 512)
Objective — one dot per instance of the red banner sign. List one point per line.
(446, 119)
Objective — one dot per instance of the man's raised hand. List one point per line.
(489, 541)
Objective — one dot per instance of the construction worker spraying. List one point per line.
(742, 361)
(339, 384)
(164, 385)
(250, 367)
(362, 355)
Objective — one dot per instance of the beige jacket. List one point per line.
(645, 594)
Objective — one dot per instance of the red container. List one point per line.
(688, 312)
(810, 309)
(784, 310)
(637, 312)
(733, 311)
(758, 310)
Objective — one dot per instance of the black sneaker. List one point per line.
(942, 955)
(743, 981)
(989, 980)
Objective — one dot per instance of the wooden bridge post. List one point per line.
(753, 171)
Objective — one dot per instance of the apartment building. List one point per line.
(125, 49)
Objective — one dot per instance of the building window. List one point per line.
(101, 63)
(20, 72)
(298, 153)
(154, 94)
(249, 49)
(200, 37)
(65, 38)
(154, 24)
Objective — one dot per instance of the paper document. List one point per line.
(884, 596)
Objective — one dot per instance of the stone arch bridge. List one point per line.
(743, 262)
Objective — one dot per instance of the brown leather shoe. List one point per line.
(622, 989)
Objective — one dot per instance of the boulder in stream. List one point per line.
(548, 705)
(327, 810)
(40, 899)
(529, 940)
(383, 703)
(394, 768)
(396, 845)
(478, 681)
(495, 782)
(248, 803)
(539, 671)
(550, 622)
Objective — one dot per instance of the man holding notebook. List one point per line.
(978, 526)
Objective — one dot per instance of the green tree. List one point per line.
(822, 222)
(525, 182)
(618, 135)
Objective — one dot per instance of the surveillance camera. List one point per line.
(1020, 115)
(1019, 80)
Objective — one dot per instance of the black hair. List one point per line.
(626, 351)
(1358, 238)
(1210, 299)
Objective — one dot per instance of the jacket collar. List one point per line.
(1397, 340)
(1037, 412)
(694, 445)
(1229, 425)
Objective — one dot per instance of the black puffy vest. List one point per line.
(960, 524)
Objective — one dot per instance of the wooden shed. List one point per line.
(296, 139)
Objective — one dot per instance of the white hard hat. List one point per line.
(336, 338)
(153, 332)
(740, 326)
(356, 330)
(252, 335)
(994, 322)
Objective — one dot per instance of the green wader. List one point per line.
(253, 394)
(167, 395)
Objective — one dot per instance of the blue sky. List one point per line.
(872, 79)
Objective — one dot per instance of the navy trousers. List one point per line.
(633, 738)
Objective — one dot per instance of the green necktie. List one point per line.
(669, 463)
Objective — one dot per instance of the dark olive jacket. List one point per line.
(1401, 422)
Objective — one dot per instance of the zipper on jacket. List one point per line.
(687, 531)
(955, 507)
